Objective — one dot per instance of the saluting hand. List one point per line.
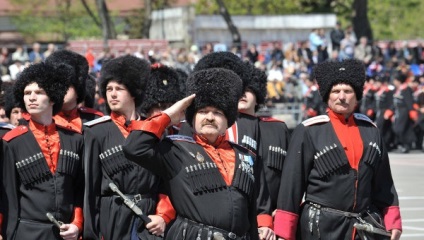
(69, 231)
(177, 109)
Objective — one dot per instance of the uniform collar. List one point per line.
(203, 141)
(339, 117)
(47, 129)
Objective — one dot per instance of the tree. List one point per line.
(65, 20)
(108, 28)
(147, 20)
(235, 35)
(396, 20)
(361, 24)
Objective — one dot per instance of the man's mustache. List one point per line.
(207, 122)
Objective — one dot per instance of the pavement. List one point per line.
(408, 175)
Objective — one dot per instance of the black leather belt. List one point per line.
(212, 233)
(134, 197)
(336, 211)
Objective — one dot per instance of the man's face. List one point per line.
(3, 116)
(36, 100)
(118, 97)
(342, 99)
(70, 99)
(247, 102)
(15, 115)
(210, 122)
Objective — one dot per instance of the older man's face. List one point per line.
(342, 99)
(210, 122)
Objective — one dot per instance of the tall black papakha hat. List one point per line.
(330, 73)
(162, 87)
(182, 78)
(257, 83)
(227, 60)
(214, 87)
(128, 70)
(80, 66)
(9, 101)
(54, 79)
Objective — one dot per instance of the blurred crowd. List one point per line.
(393, 66)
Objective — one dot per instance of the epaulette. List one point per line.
(269, 119)
(90, 110)
(17, 131)
(181, 138)
(315, 120)
(363, 117)
(97, 121)
(7, 126)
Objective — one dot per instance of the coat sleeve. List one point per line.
(386, 197)
(9, 192)
(93, 179)
(78, 218)
(144, 147)
(297, 165)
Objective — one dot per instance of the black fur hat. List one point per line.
(227, 60)
(80, 65)
(182, 78)
(257, 83)
(128, 70)
(9, 101)
(90, 89)
(54, 79)
(330, 73)
(216, 87)
(162, 87)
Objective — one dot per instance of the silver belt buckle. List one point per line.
(232, 235)
(137, 198)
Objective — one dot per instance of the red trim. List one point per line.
(26, 116)
(388, 114)
(1, 221)
(311, 112)
(19, 130)
(155, 124)
(392, 218)
(270, 119)
(370, 112)
(78, 218)
(91, 110)
(265, 220)
(165, 209)
(285, 224)
(413, 115)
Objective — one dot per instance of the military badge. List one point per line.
(200, 157)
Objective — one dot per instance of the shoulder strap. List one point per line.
(315, 120)
(97, 121)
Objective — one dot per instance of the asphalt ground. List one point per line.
(408, 175)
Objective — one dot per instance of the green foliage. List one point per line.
(256, 7)
(267, 7)
(134, 24)
(64, 20)
(389, 19)
(396, 20)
